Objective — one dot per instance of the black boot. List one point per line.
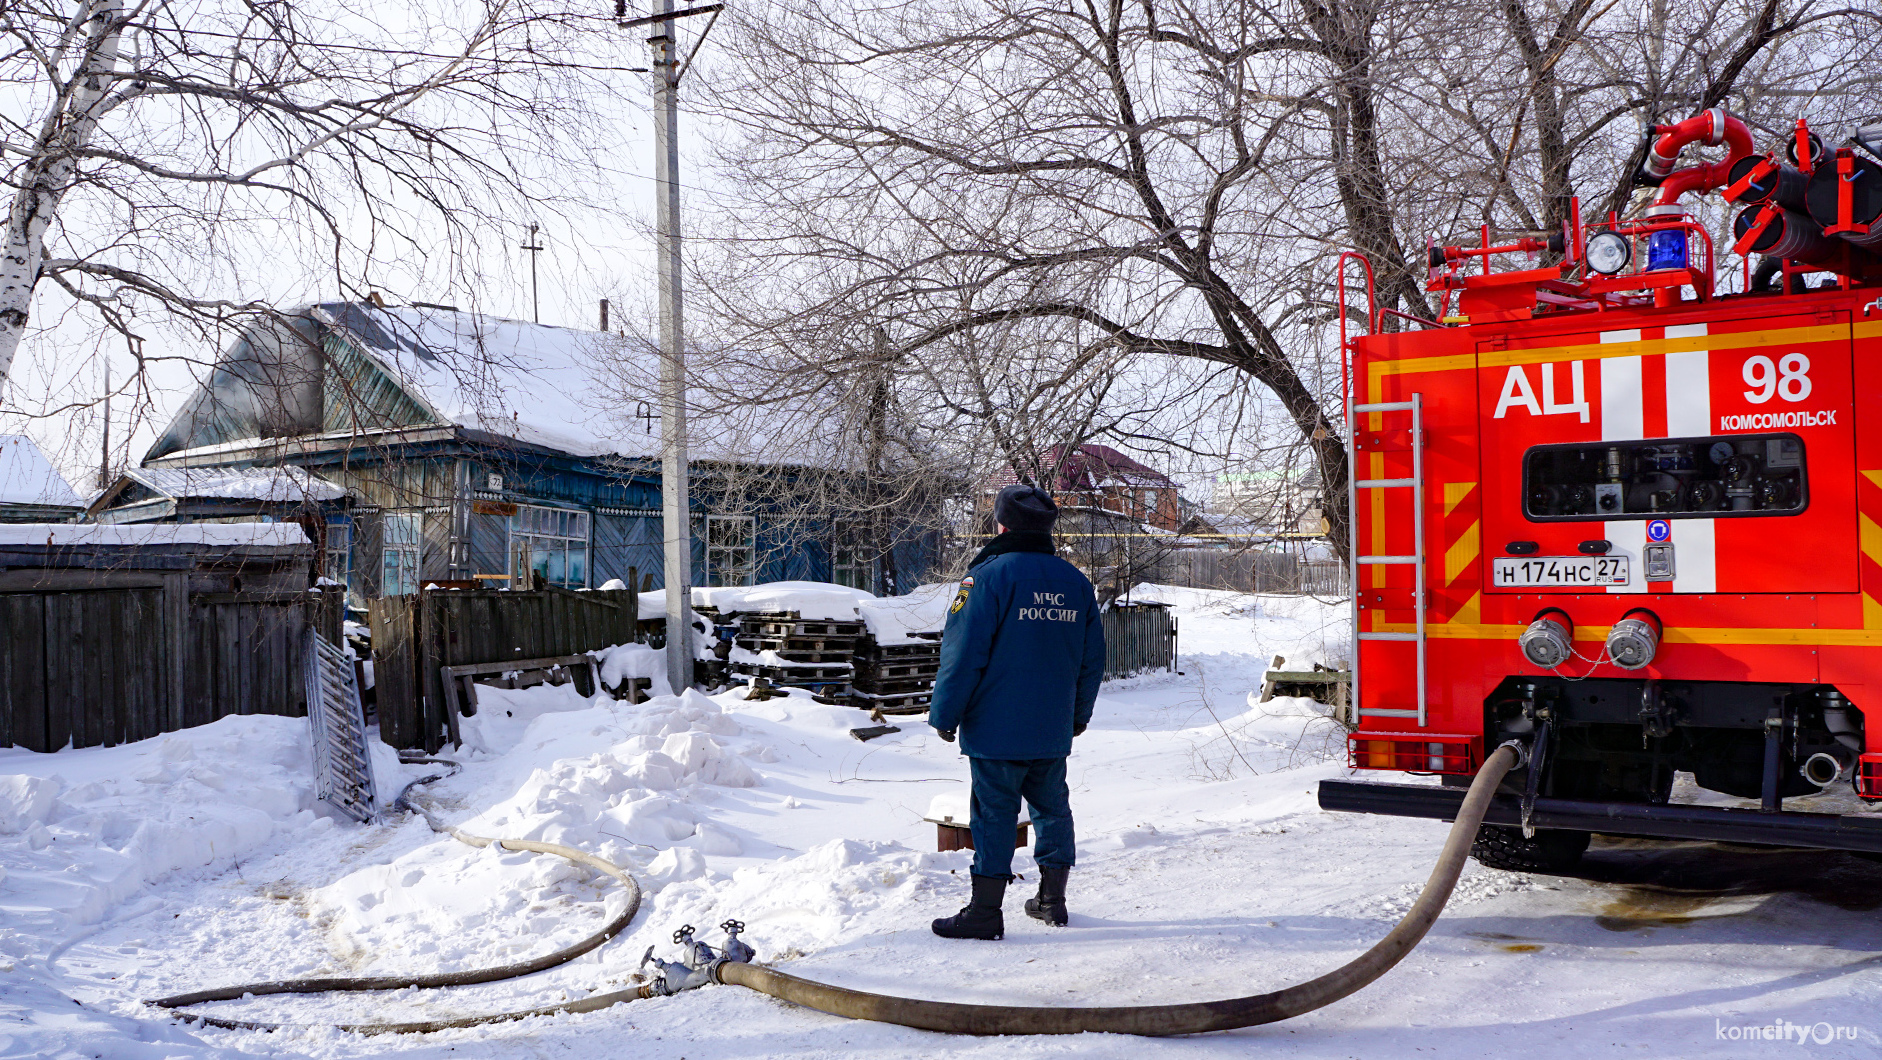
(1050, 905)
(981, 919)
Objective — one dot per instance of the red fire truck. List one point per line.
(1629, 523)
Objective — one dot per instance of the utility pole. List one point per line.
(675, 506)
(535, 293)
(104, 460)
(876, 420)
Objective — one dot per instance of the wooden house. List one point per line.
(479, 450)
(219, 495)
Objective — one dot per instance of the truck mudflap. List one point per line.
(1783, 828)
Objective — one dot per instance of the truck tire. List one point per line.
(1498, 847)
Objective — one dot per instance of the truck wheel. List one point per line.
(1498, 847)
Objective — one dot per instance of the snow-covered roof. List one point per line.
(27, 477)
(284, 484)
(585, 393)
(63, 535)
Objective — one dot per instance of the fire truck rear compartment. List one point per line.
(1625, 739)
(1604, 753)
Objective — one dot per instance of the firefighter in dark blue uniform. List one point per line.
(1021, 660)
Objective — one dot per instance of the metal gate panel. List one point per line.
(342, 762)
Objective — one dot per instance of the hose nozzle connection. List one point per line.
(1829, 767)
(1550, 639)
(698, 963)
(1521, 750)
(1635, 639)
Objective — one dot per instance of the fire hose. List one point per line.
(614, 926)
(731, 964)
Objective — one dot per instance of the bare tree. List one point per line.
(823, 458)
(187, 160)
(942, 169)
(1175, 177)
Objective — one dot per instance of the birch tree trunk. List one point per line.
(167, 168)
(69, 123)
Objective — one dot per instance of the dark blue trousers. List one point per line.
(999, 785)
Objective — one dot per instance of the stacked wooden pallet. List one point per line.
(817, 654)
(895, 678)
(838, 660)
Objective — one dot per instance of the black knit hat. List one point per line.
(1027, 509)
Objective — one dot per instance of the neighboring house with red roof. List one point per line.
(1098, 478)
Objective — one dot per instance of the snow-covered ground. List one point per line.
(1205, 871)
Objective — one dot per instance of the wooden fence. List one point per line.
(108, 666)
(414, 635)
(1249, 571)
(1137, 638)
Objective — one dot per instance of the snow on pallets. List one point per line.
(800, 649)
(899, 703)
(839, 660)
(802, 653)
(802, 675)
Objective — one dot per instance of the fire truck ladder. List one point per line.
(1416, 483)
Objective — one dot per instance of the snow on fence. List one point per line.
(414, 635)
(96, 667)
(1138, 638)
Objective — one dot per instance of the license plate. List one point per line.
(1559, 571)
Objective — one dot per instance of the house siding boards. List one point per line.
(368, 555)
(357, 396)
(627, 539)
(348, 417)
(439, 557)
(266, 385)
(487, 538)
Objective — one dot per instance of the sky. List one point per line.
(596, 244)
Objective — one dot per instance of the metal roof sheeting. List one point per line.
(27, 477)
(285, 485)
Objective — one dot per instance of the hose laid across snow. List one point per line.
(437, 979)
(592, 1003)
(944, 1016)
(1194, 1018)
